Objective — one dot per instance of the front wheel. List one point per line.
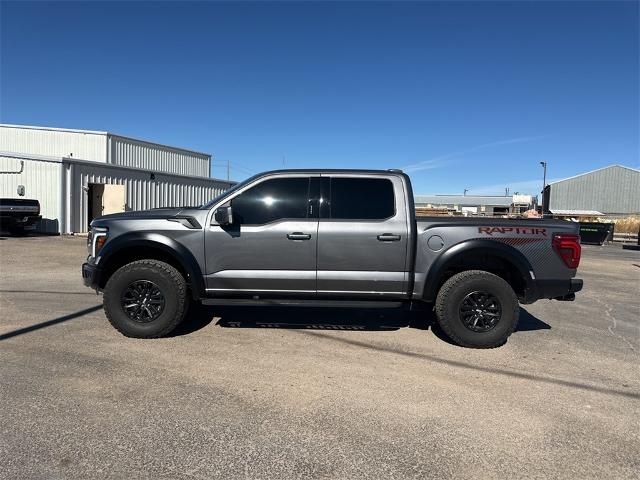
(477, 309)
(145, 299)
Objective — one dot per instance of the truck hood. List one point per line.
(154, 214)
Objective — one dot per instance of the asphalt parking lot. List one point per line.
(324, 393)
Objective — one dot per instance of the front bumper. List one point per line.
(91, 275)
(554, 289)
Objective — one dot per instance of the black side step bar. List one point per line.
(301, 303)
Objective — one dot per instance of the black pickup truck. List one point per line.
(18, 214)
(346, 237)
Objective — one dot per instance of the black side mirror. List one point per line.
(223, 215)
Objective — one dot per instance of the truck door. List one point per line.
(270, 248)
(362, 237)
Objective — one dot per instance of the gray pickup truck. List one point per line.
(343, 237)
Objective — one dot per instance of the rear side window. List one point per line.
(362, 198)
(272, 200)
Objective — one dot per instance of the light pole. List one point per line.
(544, 183)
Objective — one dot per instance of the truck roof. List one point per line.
(333, 170)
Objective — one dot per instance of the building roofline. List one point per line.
(54, 129)
(169, 147)
(594, 171)
(107, 134)
(461, 195)
(464, 200)
(45, 158)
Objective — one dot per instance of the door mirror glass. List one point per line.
(223, 215)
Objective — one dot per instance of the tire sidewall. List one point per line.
(119, 281)
(482, 282)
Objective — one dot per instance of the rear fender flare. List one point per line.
(477, 247)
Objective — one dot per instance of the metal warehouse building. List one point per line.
(613, 191)
(477, 204)
(78, 175)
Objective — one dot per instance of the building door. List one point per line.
(105, 199)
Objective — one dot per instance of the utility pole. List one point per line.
(228, 169)
(544, 183)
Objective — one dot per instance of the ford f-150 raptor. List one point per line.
(346, 237)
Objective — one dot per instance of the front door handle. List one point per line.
(388, 237)
(298, 236)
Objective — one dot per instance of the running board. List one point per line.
(302, 303)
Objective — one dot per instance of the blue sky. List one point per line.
(461, 95)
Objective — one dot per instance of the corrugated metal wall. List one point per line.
(41, 181)
(54, 143)
(159, 158)
(611, 190)
(142, 192)
(103, 147)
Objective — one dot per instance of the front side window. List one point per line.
(271, 200)
(362, 198)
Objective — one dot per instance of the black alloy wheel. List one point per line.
(480, 311)
(142, 301)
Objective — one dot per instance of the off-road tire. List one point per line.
(453, 292)
(168, 280)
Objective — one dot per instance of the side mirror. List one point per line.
(223, 215)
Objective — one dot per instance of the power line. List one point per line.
(233, 165)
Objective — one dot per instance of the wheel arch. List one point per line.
(130, 247)
(479, 254)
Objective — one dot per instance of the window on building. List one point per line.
(271, 200)
(362, 198)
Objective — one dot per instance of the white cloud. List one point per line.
(424, 165)
(525, 187)
(438, 162)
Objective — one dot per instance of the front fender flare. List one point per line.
(181, 254)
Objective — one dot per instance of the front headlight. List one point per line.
(90, 242)
(96, 240)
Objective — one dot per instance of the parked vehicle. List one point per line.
(347, 237)
(595, 233)
(18, 214)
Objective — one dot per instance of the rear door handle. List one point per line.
(298, 236)
(388, 237)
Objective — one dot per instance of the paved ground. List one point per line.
(345, 395)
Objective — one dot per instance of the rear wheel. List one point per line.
(477, 309)
(145, 299)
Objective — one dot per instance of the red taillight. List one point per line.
(568, 249)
